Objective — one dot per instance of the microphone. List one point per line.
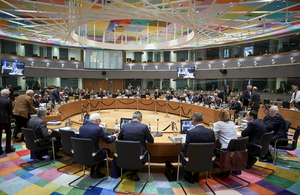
(157, 134)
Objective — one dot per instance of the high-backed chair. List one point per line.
(290, 146)
(199, 158)
(263, 146)
(233, 146)
(36, 145)
(84, 154)
(129, 157)
(67, 146)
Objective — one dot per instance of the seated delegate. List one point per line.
(92, 131)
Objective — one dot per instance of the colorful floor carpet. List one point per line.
(47, 180)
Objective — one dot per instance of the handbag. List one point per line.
(115, 170)
(234, 160)
(170, 171)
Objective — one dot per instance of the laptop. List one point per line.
(124, 121)
(114, 95)
(143, 96)
(286, 105)
(176, 139)
(76, 97)
(71, 94)
(185, 125)
(267, 102)
(87, 97)
(156, 96)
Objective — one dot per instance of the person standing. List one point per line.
(296, 97)
(5, 123)
(198, 134)
(55, 94)
(136, 131)
(246, 96)
(11, 94)
(20, 112)
(254, 100)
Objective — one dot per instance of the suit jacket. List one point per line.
(236, 106)
(254, 131)
(168, 97)
(267, 119)
(35, 103)
(136, 131)
(218, 101)
(199, 134)
(279, 127)
(22, 105)
(12, 94)
(95, 133)
(157, 93)
(43, 100)
(221, 95)
(5, 110)
(227, 92)
(246, 95)
(39, 126)
(255, 99)
(55, 95)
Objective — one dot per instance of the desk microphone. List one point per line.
(157, 134)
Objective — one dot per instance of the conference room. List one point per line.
(161, 59)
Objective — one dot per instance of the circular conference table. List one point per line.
(162, 149)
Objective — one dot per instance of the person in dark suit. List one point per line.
(255, 130)
(267, 119)
(168, 96)
(227, 90)
(221, 94)
(198, 97)
(254, 100)
(137, 95)
(279, 127)
(136, 131)
(44, 91)
(92, 131)
(39, 126)
(36, 101)
(198, 134)
(20, 112)
(206, 99)
(235, 106)
(44, 99)
(5, 123)
(27, 87)
(157, 92)
(55, 94)
(77, 92)
(247, 95)
(12, 94)
(217, 100)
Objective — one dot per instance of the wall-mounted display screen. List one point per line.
(186, 73)
(12, 68)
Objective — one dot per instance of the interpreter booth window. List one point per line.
(103, 59)
(69, 83)
(133, 84)
(181, 84)
(10, 80)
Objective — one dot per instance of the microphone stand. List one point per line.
(157, 134)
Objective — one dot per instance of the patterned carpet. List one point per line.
(47, 180)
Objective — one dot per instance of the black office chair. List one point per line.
(129, 157)
(200, 157)
(36, 145)
(289, 146)
(263, 146)
(67, 147)
(84, 154)
(236, 145)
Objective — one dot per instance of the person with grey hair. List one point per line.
(277, 125)
(136, 131)
(235, 106)
(39, 126)
(247, 95)
(92, 130)
(254, 100)
(22, 106)
(5, 123)
(266, 110)
(168, 95)
(199, 134)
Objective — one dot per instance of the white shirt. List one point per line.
(297, 96)
(224, 132)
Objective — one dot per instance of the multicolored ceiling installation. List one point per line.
(146, 24)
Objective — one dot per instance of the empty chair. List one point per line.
(66, 146)
(129, 157)
(36, 145)
(291, 146)
(263, 146)
(200, 157)
(84, 154)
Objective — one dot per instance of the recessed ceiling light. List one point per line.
(197, 11)
(180, 4)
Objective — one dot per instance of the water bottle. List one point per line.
(239, 121)
(210, 125)
(150, 128)
(70, 123)
(116, 126)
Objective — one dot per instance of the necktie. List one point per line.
(295, 95)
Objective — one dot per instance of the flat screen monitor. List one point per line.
(248, 51)
(195, 100)
(128, 95)
(114, 95)
(182, 98)
(76, 97)
(86, 119)
(87, 97)
(143, 96)
(101, 95)
(156, 96)
(147, 93)
(286, 105)
(70, 94)
(186, 73)
(12, 68)
(206, 102)
(124, 121)
(185, 125)
(267, 102)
